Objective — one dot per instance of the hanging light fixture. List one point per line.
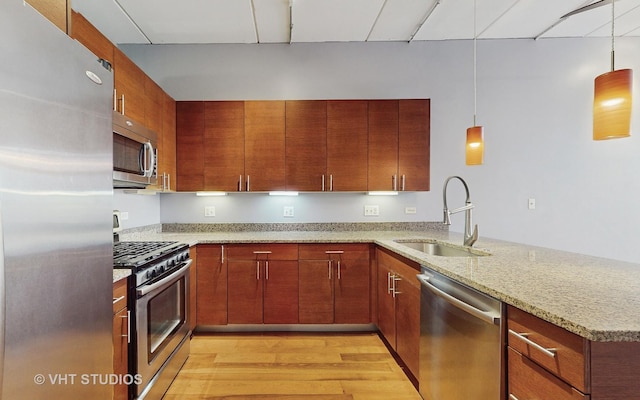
(612, 98)
(475, 134)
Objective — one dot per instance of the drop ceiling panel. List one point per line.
(597, 22)
(272, 20)
(110, 19)
(627, 20)
(529, 18)
(400, 19)
(333, 20)
(193, 21)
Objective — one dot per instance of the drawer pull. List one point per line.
(512, 397)
(115, 300)
(551, 352)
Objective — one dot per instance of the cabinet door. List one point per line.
(306, 145)
(408, 322)
(316, 292)
(129, 84)
(347, 145)
(351, 280)
(386, 303)
(90, 37)
(414, 144)
(120, 352)
(223, 145)
(383, 145)
(168, 155)
(193, 288)
(245, 293)
(190, 145)
(211, 287)
(264, 145)
(280, 292)
(54, 10)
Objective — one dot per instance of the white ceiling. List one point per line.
(293, 21)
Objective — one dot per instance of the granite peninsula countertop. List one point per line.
(596, 298)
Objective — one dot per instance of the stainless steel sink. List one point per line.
(443, 249)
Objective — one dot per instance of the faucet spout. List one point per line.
(469, 236)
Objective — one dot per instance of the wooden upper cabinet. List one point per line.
(414, 144)
(190, 145)
(167, 161)
(223, 145)
(90, 37)
(306, 145)
(56, 11)
(383, 145)
(129, 86)
(264, 129)
(347, 126)
(153, 98)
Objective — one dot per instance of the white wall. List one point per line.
(534, 100)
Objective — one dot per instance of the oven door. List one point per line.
(162, 322)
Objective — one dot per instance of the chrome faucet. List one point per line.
(469, 238)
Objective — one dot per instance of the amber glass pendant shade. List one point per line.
(475, 145)
(612, 105)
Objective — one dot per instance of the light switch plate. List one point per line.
(288, 211)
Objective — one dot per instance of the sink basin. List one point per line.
(443, 249)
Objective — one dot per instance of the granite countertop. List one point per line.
(596, 298)
(119, 274)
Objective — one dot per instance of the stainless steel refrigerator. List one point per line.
(55, 213)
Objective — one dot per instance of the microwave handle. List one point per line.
(147, 153)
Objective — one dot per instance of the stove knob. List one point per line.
(153, 273)
(161, 269)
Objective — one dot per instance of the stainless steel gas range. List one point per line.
(159, 303)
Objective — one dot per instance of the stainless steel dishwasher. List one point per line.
(460, 341)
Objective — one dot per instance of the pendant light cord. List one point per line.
(613, 34)
(475, 73)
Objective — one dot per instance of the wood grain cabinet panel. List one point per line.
(399, 306)
(334, 284)
(383, 145)
(84, 32)
(306, 145)
(347, 131)
(56, 11)
(211, 296)
(262, 284)
(167, 158)
(264, 129)
(120, 337)
(129, 86)
(190, 145)
(414, 144)
(224, 145)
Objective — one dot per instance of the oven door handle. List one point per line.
(166, 281)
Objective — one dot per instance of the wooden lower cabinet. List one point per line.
(572, 368)
(120, 337)
(399, 306)
(262, 284)
(211, 287)
(334, 284)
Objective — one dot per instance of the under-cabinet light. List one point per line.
(283, 193)
(383, 193)
(211, 193)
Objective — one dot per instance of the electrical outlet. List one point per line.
(532, 203)
(371, 211)
(288, 211)
(124, 215)
(409, 210)
(210, 211)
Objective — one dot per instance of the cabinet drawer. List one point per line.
(119, 295)
(566, 357)
(352, 251)
(527, 380)
(279, 251)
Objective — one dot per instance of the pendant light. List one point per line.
(612, 98)
(475, 134)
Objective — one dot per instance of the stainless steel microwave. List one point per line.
(134, 154)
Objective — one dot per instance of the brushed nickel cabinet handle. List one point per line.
(394, 184)
(257, 270)
(329, 268)
(323, 182)
(266, 269)
(394, 291)
(115, 300)
(403, 182)
(339, 271)
(128, 335)
(551, 352)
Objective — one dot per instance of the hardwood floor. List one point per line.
(290, 366)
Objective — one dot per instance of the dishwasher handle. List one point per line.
(490, 317)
